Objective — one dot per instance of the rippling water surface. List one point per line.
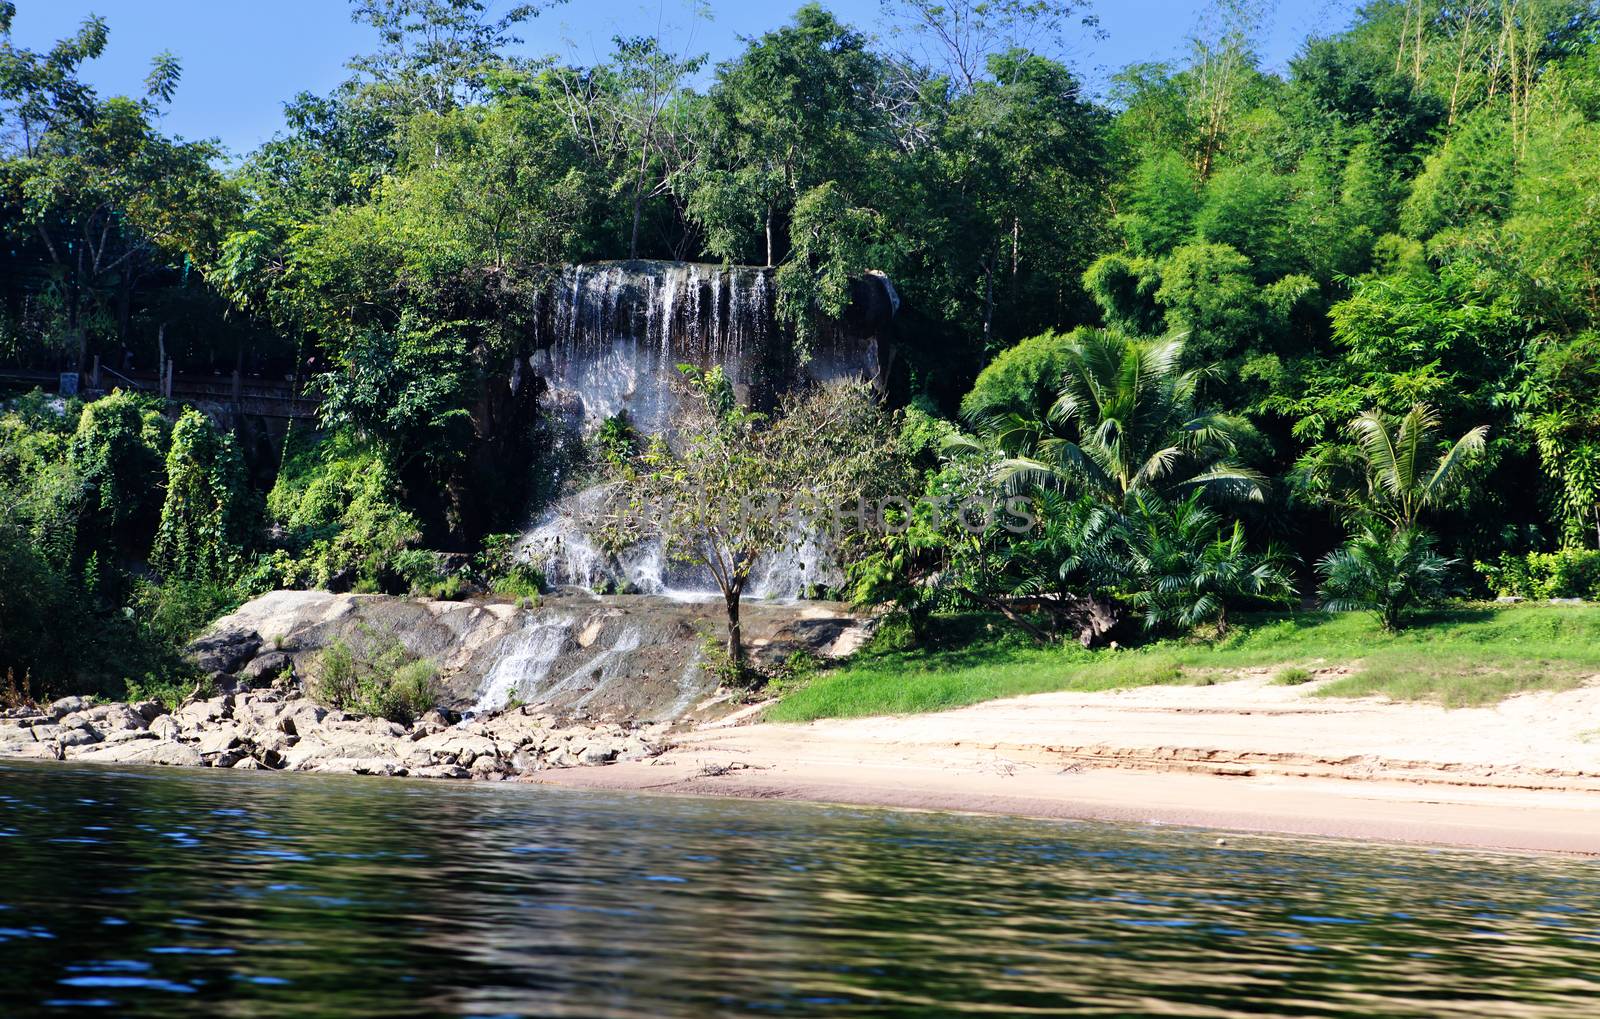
(200, 893)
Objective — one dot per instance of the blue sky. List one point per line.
(242, 58)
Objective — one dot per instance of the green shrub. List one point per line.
(1387, 574)
(202, 530)
(1570, 573)
(501, 568)
(375, 676)
(1292, 677)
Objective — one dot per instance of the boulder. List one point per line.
(143, 751)
(438, 771)
(386, 766)
(265, 668)
(149, 710)
(165, 727)
(225, 650)
(80, 737)
(197, 714)
(31, 750)
(247, 764)
(125, 735)
(456, 747)
(66, 706)
(107, 717)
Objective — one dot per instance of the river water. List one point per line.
(163, 893)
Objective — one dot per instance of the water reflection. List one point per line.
(198, 893)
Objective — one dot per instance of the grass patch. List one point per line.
(1292, 676)
(1454, 681)
(1473, 654)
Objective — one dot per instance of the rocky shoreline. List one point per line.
(283, 730)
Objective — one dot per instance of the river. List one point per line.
(194, 893)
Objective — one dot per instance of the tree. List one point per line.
(94, 183)
(1387, 573)
(433, 54)
(1126, 420)
(1187, 568)
(1400, 468)
(958, 37)
(201, 537)
(794, 111)
(744, 486)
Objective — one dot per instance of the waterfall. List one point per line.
(609, 339)
(525, 660)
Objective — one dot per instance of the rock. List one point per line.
(142, 751)
(225, 650)
(439, 771)
(309, 753)
(301, 718)
(196, 714)
(597, 753)
(165, 727)
(456, 747)
(266, 668)
(31, 750)
(217, 741)
(247, 764)
(359, 766)
(66, 706)
(1508, 599)
(489, 768)
(79, 737)
(125, 735)
(107, 717)
(149, 710)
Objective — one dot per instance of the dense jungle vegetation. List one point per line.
(1242, 338)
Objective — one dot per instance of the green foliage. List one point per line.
(1189, 569)
(201, 535)
(1020, 379)
(1126, 420)
(1292, 676)
(1387, 573)
(115, 457)
(506, 570)
(340, 505)
(1571, 573)
(373, 675)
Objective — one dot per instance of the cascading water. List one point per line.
(524, 662)
(610, 338)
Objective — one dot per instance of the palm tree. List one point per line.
(1125, 421)
(1190, 567)
(1402, 470)
(1385, 574)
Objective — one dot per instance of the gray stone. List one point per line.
(107, 717)
(456, 747)
(247, 764)
(165, 727)
(225, 650)
(439, 771)
(144, 751)
(196, 714)
(149, 710)
(267, 667)
(66, 706)
(597, 753)
(124, 735)
(31, 750)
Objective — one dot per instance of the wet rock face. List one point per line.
(630, 658)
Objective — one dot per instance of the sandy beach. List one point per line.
(1244, 755)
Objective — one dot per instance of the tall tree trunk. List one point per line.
(735, 631)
